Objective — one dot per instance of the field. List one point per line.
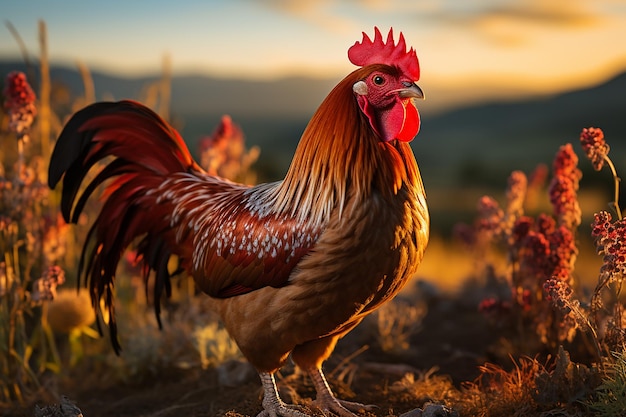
(516, 310)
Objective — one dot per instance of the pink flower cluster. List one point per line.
(515, 198)
(541, 250)
(490, 216)
(594, 146)
(224, 153)
(610, 240)
(564, 187)
(545, 249)
(45, 288)
(560, 293)
(19, 102)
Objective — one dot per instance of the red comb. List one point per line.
(378, 52)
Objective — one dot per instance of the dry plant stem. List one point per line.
(617, 180)
(20, 158)
(44, 95)
(90, 90)
(594, 336)
(347, 359)
(165, 87)
(21, 45)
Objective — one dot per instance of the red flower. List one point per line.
(564, 187)
(610, 239)
(594, 145)
(45, 288)
(522, 226)
(19, 101)
(490, 215)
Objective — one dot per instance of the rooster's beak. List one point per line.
(411, 91)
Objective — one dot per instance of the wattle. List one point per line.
(401, 122)
(410, 121)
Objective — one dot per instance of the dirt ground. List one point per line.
(453, 341)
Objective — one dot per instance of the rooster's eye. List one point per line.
(379, 80)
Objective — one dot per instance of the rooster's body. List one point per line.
(289, 266)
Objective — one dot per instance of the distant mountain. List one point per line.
(471, 145)
(481, 143)
(199, 94)
(272, 113)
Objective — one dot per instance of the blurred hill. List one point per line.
(473, 145)
(483, 141)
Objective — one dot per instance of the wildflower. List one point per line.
(545, 224)
(516, 191)
(20, 104)
(515, 195)
(560, 294)
(490, 215)
(520, 230)
(563, 251)
(544, 250)
(494, 308)
(597, 150)
(565, 164)
(594, 146)
(610, 240)
(223, 153)
(601, 228)
(524, 298)
(564, 187)
(45, 288)
(536, 253)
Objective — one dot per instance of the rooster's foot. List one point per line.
(326, 401)
(273, 406)
(340, 407)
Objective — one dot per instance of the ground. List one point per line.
(453, 341)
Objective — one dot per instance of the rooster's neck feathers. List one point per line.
(339, 157)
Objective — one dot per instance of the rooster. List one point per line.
(289, 266)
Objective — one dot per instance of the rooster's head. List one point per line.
(386, 94)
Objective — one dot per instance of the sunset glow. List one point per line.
(520, 45)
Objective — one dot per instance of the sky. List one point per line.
(520, 44)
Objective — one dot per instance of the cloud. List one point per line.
(341, 16)
(502, 23)
(510, 23)
(318, 12)
(558, 13)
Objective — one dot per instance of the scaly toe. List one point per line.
(357, 407)
(340, 407)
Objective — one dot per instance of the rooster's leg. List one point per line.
(326, 401)
(272, 404)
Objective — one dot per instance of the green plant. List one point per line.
(610, 396)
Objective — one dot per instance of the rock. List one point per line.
(65, 409)
(431, 410)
